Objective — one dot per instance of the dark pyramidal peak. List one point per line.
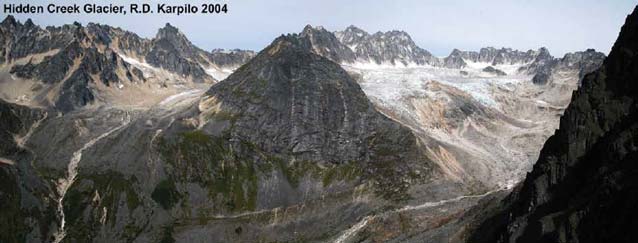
(78, 57)
(171, 50)
(290, 101)
(583, 187)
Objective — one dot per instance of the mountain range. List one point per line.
(321, 136)
(72, 63)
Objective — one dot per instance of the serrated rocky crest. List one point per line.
(74, 61)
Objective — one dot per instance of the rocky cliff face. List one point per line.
(72, 66)
(505, 56)
(62, 57)
(29, 207)
(172, 51)
(309, 109)
(583, 187)
(325, 43)
(354, 46)
(392, 47)
(231, 58)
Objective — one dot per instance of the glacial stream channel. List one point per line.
(72, 171)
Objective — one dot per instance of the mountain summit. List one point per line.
(290, 101)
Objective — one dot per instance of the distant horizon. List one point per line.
(586, 25)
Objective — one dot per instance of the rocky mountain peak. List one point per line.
(290, 100)
(167, 31)
(352, 35)
(29, 23)
(325, 43)
(9, 21)
(456, 59)
(310, 30)
(173, 35)
(355, 29)
(543, 55)
(394, 38)
(398, 35)
(287, 43)
(10, 24)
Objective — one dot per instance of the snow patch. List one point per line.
(180, 96)
(219, 73)
(138, 64)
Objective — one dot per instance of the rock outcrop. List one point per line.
(231, 58)
(70, 60)
(354, 46)
(495, 71)
(583, 187)
(384, 48)
(26, 199)
(302, 106)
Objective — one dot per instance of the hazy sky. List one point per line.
(435, 25)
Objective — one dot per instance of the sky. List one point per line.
(435, 25)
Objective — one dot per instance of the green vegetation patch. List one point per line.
(343, 172)
(166, 194)
(231, 173)
(81, 199)
(110, 186)
(208, 160)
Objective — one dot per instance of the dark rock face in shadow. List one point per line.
(583, 187)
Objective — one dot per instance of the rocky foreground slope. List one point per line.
(583, 187)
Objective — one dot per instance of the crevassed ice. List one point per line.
(390, 83)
